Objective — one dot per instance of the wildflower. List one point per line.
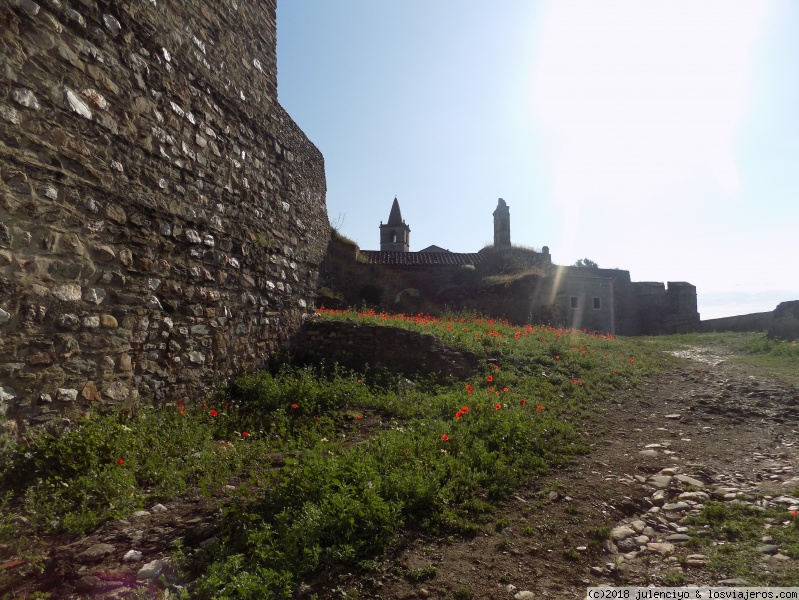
(613, 372)
(359, 417)
(498, 406)
(180, 403)
(490, 378)
(182, 410)
(213, 412)
(120, 462)
(295, 406)
(444, 437)
(794, 512)
(504, 389)
(522, 401)
(245, 434)
(557, 357)
(539, 407)
(205, 405)
(496, 367)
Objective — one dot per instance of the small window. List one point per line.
(573, 301)
(597, 303)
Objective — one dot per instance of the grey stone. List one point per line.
(193, 237)
(66, 394)
(660, 482)
(678, 537)
(154, 570)
(95, 553)
(77, 104)
(29, 7)
(9, 114)
(687, 480)
(112, 24)
(524, 595)
(4, 317)
(648, 453)
(132, 556)
(735, 582)
(621, 532)
(660, 547)
(68, 292)
(153, 303)
(94, 295)
(25, 97)
(768, 549)
(627, 545)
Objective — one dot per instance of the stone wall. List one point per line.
(162, 219)
(751, 322)
(785, 321)
(362, 347)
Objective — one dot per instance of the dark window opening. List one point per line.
(573, 301)
(597, 303)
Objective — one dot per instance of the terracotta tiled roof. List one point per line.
(413, 259)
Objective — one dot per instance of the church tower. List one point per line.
(502, 226)
(395, 235)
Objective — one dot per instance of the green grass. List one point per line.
(776, 359)
(368, 463)
(741, 528)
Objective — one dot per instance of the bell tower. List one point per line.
(502, 226)
(395, 235)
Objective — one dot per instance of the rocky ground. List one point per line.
(710, 430)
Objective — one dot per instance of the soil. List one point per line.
(711, 418)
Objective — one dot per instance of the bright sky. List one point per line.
(660, 137)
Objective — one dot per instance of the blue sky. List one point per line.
(658, 137)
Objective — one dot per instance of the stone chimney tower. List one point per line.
(502, 226)
(395, 235)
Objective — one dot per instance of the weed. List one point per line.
(421, 574)
(674, 578)
(462, 594)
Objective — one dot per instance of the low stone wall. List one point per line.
(162, 219)
(371, 346)
(751, 322)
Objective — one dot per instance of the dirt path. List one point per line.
(732, 428)
(708, 419)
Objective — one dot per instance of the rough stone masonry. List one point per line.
(162, 218)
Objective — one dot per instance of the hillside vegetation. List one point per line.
(329, 468)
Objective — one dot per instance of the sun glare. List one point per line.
(643, 96)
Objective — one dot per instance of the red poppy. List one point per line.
(496, 367)
(120, 462)
(205, 405)
(490, 378)
(504, 389)
(359, 417)
(295, 406)
(498, 406)
(464, 409)
(523, 401)
(245, 434)
(557, 357)
(180, 403)
(213, 412)
(182, 410)
(444, 437)
(539, 407)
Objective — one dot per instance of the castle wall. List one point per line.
(359, 346)
(162, 219)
